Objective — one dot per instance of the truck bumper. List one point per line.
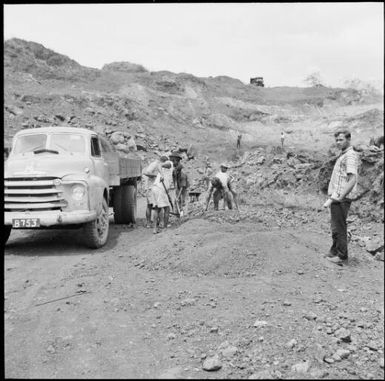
(54, 217)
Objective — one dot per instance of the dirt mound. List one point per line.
(242, 251)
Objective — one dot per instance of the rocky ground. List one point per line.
(217, 295)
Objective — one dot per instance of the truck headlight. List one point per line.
(78, 192)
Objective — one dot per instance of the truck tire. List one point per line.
(6, 233)
(124, 204)
(117, 205)
(129, 203)
(96, 232)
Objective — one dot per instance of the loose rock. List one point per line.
(310, 316)
(262, 375)
(374, 246)
(187, 302)
(302, 367)
(343, 353)
(343, 334)
(372, 345)
(212, 364)
(291, 344)
(229, 351)
(51, 349)
(318, 373)
(260, 323)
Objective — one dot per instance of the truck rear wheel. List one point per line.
(6, 233)
(124, 204)
(129, 203)
(117, 205)
(96, 232)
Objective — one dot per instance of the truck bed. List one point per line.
(129, 167)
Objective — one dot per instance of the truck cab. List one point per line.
(62, 176)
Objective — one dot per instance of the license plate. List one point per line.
(25, 222)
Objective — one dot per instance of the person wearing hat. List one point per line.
(222, 184)
(219, 194)
(180, 179)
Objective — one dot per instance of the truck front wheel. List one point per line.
(6, 233)
(96, 232)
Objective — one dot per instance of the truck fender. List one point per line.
(97, 188)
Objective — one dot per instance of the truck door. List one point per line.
(112, 158)
(101, 166)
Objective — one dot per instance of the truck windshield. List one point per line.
(61, 142)
(30, 143)
(68, 142)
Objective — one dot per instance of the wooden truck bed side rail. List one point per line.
(130, 168)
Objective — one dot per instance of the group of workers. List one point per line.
(166, 187)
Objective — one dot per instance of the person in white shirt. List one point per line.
(342, 191)
(159, 192)
(156, 173)
(222, 184)
(150, 173)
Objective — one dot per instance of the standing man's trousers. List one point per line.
(339, 213)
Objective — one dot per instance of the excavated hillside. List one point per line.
(163, 111)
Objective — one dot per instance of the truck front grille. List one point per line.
(22, 194)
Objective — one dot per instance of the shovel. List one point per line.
(177, 204)
(169, 200)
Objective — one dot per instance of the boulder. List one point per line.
(343, 334)
(131, 144)
(122, 147)
(302, 367)
(379, 256)
(260, 160)
(230, 351)
(212, 364)
(117, 137)
(141, 147)
(374, 245)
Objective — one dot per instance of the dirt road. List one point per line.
(249, 299)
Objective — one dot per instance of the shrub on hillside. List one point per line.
(126, 67)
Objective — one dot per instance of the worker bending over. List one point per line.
(222, 187)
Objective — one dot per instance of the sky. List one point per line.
(283, 43)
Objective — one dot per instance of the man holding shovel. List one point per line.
(181, 182)
(222, 186)
(160, 197)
